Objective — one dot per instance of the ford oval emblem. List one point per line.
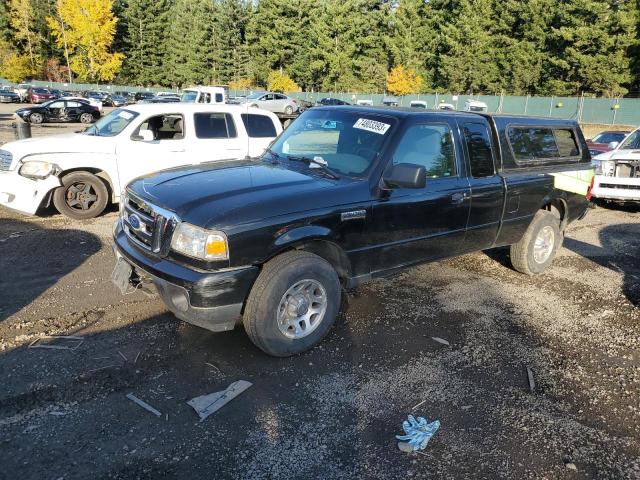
(134, 221)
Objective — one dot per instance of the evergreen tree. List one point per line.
(589, 47)
(191, 43)
(5, 27)
(232, 52)
(145, 28)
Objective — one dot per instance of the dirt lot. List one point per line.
(333, 412)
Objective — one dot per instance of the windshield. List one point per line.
(189, 96)
(608, 137)
(349, 142)
(112, 124)
(40, 90)
(631, 142)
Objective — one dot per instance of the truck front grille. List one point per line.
(621, 187)
(5, 160)
(148, 226)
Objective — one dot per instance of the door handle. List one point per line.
(459, 197)
(177, 150)
(234, 149)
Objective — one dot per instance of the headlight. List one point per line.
(37, 170)
(200, 243)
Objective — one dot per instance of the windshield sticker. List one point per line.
(371, 126)
(125, 115)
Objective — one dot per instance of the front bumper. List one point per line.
(616, 188)
(23, 194)
(211, 300)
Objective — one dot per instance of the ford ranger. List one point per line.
(344, 195)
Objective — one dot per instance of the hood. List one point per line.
(622, 154)
(226, 194)
(64, 143)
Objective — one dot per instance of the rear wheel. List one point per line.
(288, 109)
(538, 247)
(82, 196)
(293, 303)
(36, 118)
(86, 118)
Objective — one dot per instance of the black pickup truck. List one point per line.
(344, 195)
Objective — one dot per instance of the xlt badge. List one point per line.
(353, 215)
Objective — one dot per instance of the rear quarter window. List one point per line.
(258, 126)
(540, 145)
(214, 125)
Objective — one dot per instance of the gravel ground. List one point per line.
(333, 412)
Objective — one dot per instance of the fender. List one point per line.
(297, 234)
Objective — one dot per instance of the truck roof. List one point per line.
(178, 107)
(404, 112)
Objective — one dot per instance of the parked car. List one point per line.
(128, 96)
(55, 92)
(606, 141)
(617, 176)
(83, 172)
(90, 101)
(390, 101)
(475, 106)
(143, 96)
(163, 99)
(344, 195)
(447, 107)
(215, 95)
(22, 90)
(8, 95)
(115, 100)
(331, 101)
(59, 110)
(39, 95)
(364, 103)
(274, 102)
(418, 104)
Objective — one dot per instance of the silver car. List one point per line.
(274, 102)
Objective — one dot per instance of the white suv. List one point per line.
(82, 172)
(617, 175)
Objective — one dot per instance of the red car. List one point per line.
(600, 143)
(39, 95)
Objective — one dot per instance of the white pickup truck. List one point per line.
(82, 172)
(617, 177)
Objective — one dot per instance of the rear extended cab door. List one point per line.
(486, 185)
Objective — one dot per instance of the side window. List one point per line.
(478, 142)
(164, 127)
(73, 104)
(566, 141)
(429, 145)
(279, 96)
(258, 126)
(532, 143)
(268, 97)
(219, 98)
(214, 125)
(57, 105)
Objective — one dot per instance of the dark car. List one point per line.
(143, 96)
(39, 95)
(56, 93)
(331, 101)
(128, 96)
(162, 99)
(115, 101)
(100, 96)
(60, 111)
(345, 195)
(7, 95)
(603, 141)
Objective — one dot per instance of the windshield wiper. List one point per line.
(275, 155)
(316, 163)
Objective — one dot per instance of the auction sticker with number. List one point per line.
(372, 126)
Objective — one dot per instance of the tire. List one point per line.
(536, 250)
(82, 196)
(272, 299)
(288, 109)
(86, 118)
(36, 118)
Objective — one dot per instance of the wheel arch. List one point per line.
(101, 174)
(558, 207)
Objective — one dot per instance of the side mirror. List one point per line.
(613, 145)
(143, 136)
(406, 175)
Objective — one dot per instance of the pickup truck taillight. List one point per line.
(590, 188)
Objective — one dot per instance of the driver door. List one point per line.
(55, 111)
(164, 147)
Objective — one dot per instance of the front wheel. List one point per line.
(293, 303)
(86, 118)
(36, 118)
(538, 247)
(81, 196)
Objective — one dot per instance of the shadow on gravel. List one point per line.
(31, 262)
(620, 251)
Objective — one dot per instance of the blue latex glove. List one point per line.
(418, 432)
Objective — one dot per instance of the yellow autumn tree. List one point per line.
(86, 29)
(21, 19)
(403, 81)
(281, 82)
(14, 66)
(240, 84)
